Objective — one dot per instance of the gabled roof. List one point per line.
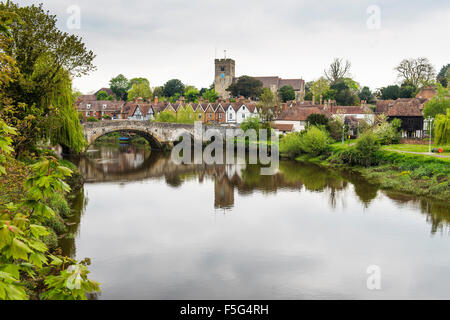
(405, 109)
(350, 110)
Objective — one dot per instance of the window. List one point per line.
(222, 68)
(199, 115)
(104, 106)
(88, 113)
(220, 116)
(231, 116)
(88, 106)
(209, 116)
(243, 116)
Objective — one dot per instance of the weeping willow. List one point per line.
(63, 124)
(442, 129)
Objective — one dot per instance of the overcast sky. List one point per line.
(162, 40)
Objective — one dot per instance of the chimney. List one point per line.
(283, 106)
(313, 100)
(156, 100)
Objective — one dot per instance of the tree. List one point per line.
(138, 81)
(338, 70)
(210, 95)
(443, 76)
(191, 94)
(41, 99)
(366, 94)
(317, 119)
(390, 92)
(320, 87)
(102, 95)
(172, 87)
(417, 72)
(158, 92)
(442, 129)
(246, 86)
(407, 90)
(140, 90)
(119, 86)
(438, 104)
(266, 106)
(346, 92)
(251, 123)
(286, 93)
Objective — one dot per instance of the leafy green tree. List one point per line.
(442, 129)
(102, 95)
(390, 92)
(158, 92)
(290, 145)
(320, 87)
(173, 87)
(318, 120)
(266, 106)
(210, 95)
(415, 71)
(438, 104)
(366, 94)
(443, 76)
(407, 90)
(191, 94)
(346, 92)
(45, 60)
(138, 81)
(91, 119)
(246, 86)
(286, 93)
(251, 123)
(119, 86)
(140, 90)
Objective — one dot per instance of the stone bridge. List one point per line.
(157, 134)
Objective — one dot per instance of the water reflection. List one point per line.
(151, 228)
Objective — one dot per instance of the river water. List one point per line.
(157, 230)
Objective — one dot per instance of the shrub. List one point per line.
(387, 133)
(335, 128)
(442, 128)
(251, 123)
(59, 204)
(290, 145)
(92, 119)
(367, 145)
(315, 141)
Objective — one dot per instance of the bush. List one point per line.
(367, 145)
(335, 128)
(315, 141)
(387, 133)
(59, 204)
(290, 145)
(92, 119)
(251, 123)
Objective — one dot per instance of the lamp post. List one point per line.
(343, 132)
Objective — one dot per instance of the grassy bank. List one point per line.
(420, 175)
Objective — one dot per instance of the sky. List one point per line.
(163, 40)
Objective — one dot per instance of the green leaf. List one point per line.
(37, 230)
(19, 250)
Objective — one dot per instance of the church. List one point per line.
(225, 76)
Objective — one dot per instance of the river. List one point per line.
(157, 230)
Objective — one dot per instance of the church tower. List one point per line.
(224, 74)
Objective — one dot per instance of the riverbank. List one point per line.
(418, 175)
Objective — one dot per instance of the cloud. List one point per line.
(178, 39)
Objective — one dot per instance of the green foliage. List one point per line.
(442, 128)
(23, 254)
(386, 132)
(346, 92)
(91, 119)
(185, 114)
(407, 91)
(335, 127)
(320, 87)
(290, 145)
(316, 119)
(443, 76)
(210, 95)
(286, 93)
(246, 86)
(102, 95)
(192, 94)
(119, 86)
(173, 87)
(315, 141)
(140, 90)
(166, 116)
(266, 106)
(390, 92)
(366, 94)
(251, 123)
(438, 104)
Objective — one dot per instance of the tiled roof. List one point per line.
(282, 126)
(350, 110)
(298, 113)
(405, 109)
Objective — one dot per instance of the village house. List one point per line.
(100, 109)
(361, 112)
(295, 116)
(411, 115)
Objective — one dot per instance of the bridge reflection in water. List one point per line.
(129, 163)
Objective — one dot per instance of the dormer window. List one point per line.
(88, 106)
(104, 106)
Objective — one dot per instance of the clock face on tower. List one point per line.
(222, 75)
